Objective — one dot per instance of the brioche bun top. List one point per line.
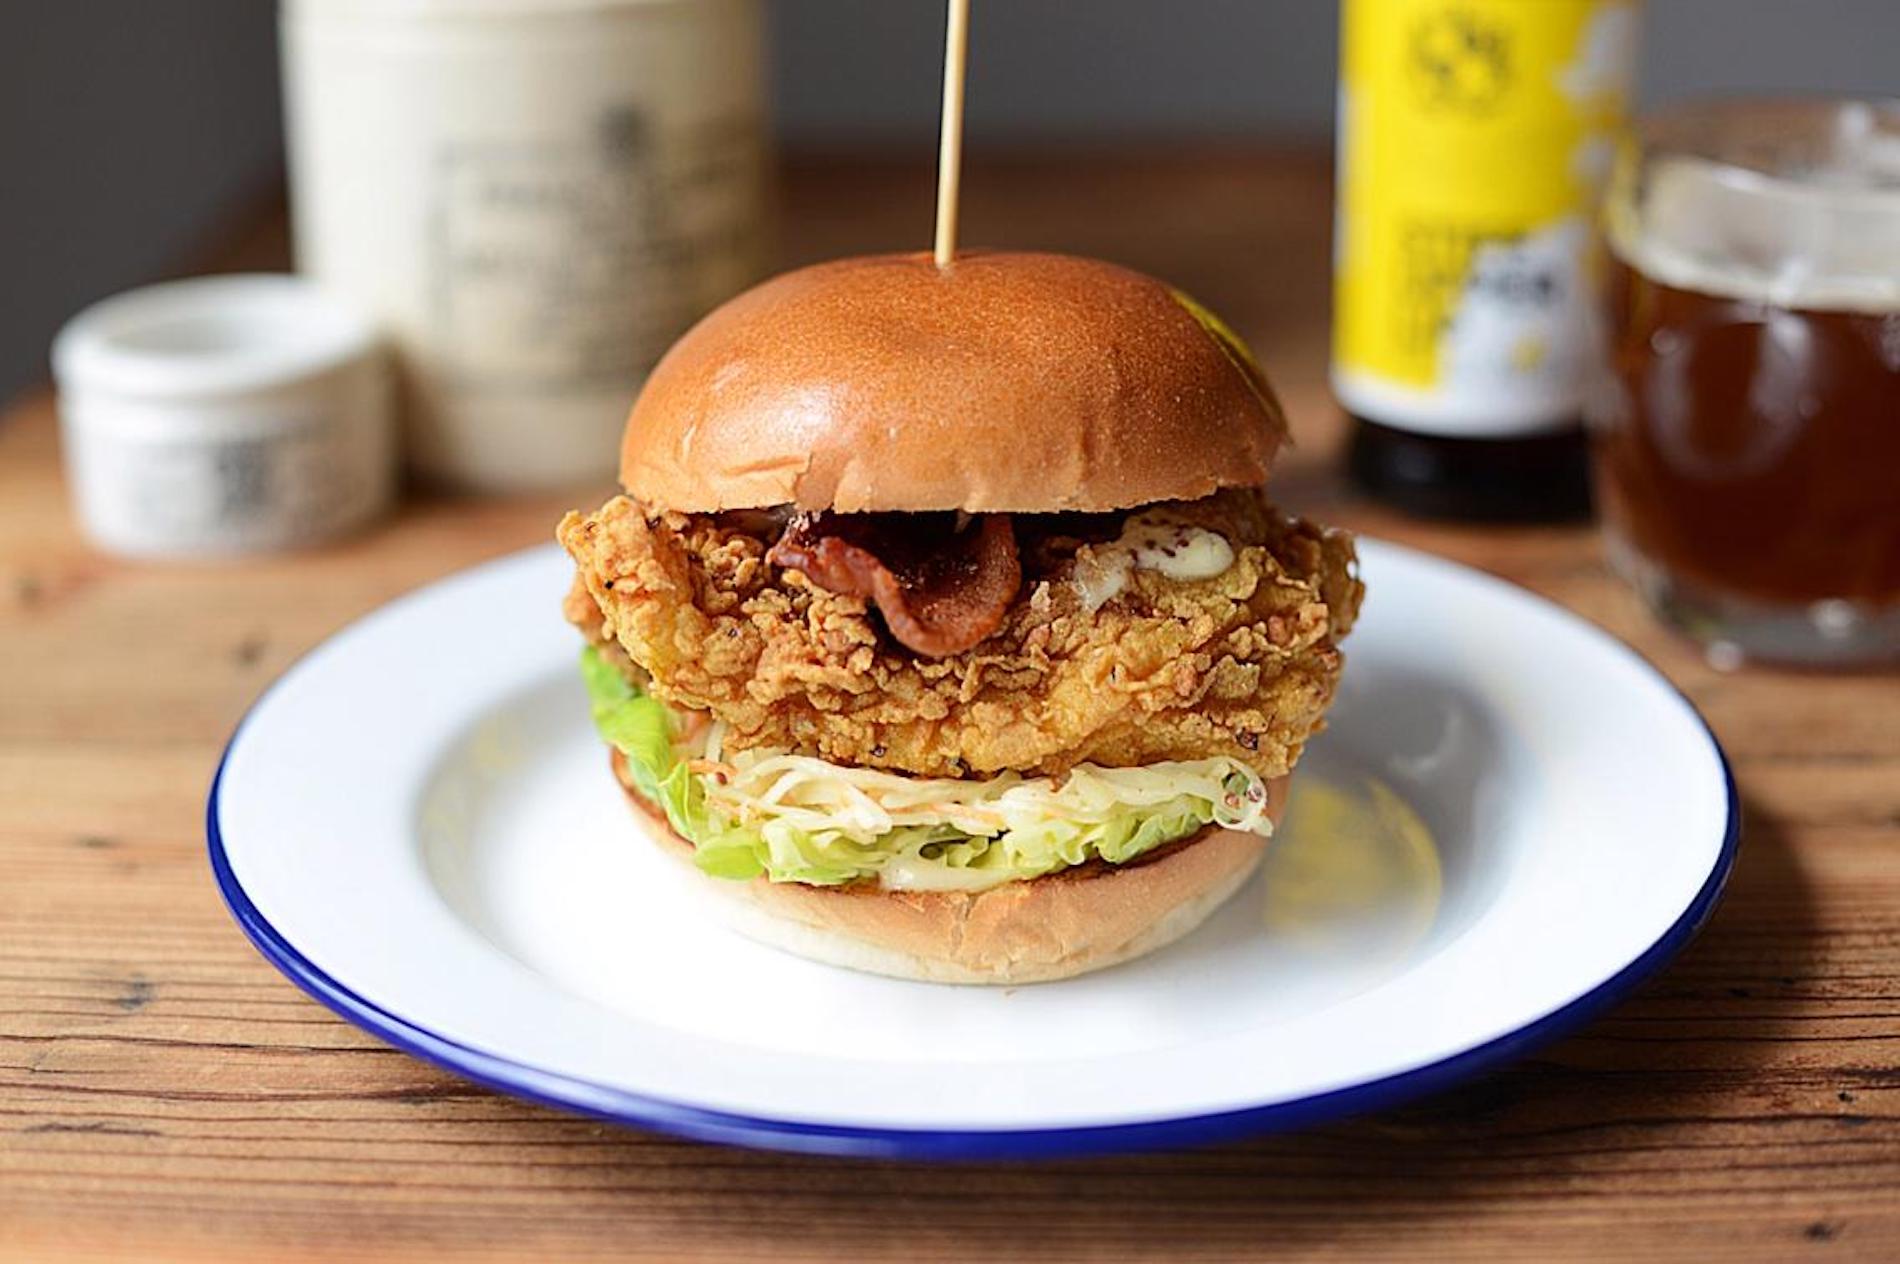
(1005, 382)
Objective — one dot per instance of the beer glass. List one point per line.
(1747, 433)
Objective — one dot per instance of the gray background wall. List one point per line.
(131, 130)
(868, 68)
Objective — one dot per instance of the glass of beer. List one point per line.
(1747, 435)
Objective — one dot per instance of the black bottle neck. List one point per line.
(1532, 478)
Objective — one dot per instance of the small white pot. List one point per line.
(224, 415)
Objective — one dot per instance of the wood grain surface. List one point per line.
(165, 1094)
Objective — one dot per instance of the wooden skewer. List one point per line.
(956, 57)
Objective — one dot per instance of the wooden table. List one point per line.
(166, 1094)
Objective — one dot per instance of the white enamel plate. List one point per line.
(1512, 820)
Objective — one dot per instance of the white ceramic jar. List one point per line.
(224, 415)
(535, 197)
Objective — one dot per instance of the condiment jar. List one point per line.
(224, 415)
(533, 197)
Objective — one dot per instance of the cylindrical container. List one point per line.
(535, 197)
(1748, 438)
(1474, 139)
(224, 415)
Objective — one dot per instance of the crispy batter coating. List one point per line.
(1243, 664)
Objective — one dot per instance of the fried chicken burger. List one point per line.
(945, 625)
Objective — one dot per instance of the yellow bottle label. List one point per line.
(1474, 139)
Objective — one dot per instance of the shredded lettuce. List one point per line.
(794, 818)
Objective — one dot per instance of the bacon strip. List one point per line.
(940, 592)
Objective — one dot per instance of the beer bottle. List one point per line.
(1474, 139)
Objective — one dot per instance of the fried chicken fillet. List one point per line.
(1241, 663)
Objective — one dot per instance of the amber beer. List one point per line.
(1749, 446)
(1761, 454)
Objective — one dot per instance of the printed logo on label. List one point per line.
(1460, 60)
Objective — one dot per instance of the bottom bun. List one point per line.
(1054, 927)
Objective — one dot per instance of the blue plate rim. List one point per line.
(622, 1106)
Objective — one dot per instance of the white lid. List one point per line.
(210, 336)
